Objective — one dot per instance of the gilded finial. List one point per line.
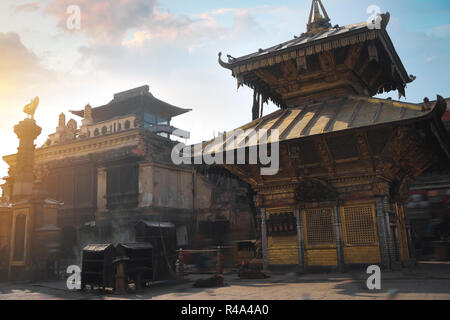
(318, 22)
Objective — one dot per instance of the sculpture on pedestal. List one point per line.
(34, 233)
(30, 108)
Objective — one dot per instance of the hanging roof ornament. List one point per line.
(317, 22)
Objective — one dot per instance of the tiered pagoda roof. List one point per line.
(134, 101)
(326, 60)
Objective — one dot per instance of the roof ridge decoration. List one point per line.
(320, 23)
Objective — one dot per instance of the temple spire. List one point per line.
(317, 22)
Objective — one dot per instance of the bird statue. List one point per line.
(30, 108)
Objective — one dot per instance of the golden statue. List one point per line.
(30, 108)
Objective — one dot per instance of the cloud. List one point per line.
(32, 6)
(22, 77)
(105, 21)
(441, 31)
(134, 23)
(132, 36)
(20, 66)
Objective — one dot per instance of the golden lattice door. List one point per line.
(361, 244)
(320, 237)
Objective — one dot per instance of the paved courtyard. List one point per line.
(419, 283)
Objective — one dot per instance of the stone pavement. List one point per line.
(430, 281)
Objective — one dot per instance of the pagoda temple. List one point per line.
(346, 158)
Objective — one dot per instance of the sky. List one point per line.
(172, 46)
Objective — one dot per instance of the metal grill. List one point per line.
(319, 226)
(359, 226)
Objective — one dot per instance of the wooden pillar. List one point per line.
(339, 238)
(402, 237)
(265, 250)
(301, 244)
(121, 283)
(391, 246)
(383, 231)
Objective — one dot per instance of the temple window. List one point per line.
(149, 120)
(122, 187)
(161, 120)
(127, 124)
(96, 132)
(19, 238)
(104, 130)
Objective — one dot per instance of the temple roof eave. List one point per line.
(308, 44)
(308, 121)
(132, 105)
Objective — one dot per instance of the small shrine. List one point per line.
(346, 158)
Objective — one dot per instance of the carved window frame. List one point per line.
(25, 212)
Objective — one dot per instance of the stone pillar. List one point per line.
(301, 242)
(265, 251)
(339, 238)
(35, 238)
(383, 231)
(23, 211)
(27, 131)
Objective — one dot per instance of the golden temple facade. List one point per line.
(346, 158)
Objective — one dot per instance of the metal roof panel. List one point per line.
(331, 116)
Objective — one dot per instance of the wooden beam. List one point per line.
(325, 154)
(289, 70)
(327, 61)
(354, 52)
(319, 86)
(375, 78)
(365, 153)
